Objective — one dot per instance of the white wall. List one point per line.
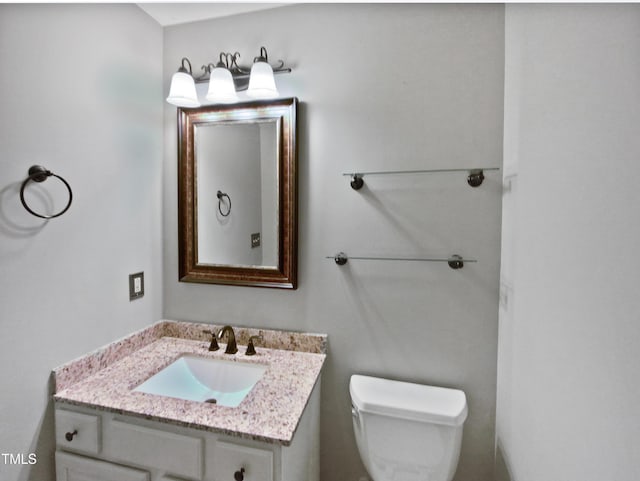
(381, 87)
(80, 94)
(568, 391)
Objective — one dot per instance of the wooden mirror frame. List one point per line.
(284, 275)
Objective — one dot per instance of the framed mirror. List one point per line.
(237, 194)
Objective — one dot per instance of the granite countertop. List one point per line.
(271, 411)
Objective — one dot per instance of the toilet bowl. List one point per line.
(406, 431)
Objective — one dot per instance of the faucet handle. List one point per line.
(214, 340)
(251, 350)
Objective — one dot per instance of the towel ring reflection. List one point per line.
(37, 173)
(220, 196)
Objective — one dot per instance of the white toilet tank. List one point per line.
(405, 431)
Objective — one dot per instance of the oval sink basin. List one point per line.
(206, 380)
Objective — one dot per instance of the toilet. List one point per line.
(406, 431)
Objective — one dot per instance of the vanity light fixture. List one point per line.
(221, 87)
(257, 81)
(183, 89)
(262, 85)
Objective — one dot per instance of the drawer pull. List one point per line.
(69, 436)
(239, 475)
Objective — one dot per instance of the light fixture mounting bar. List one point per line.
(240, 74)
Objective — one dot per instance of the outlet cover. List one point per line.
(255, 240)
(136, 285)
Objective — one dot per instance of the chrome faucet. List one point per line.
(232, 347)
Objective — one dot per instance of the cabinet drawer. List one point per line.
(70, 467)
(86, 428)
(229, 458)
(138, 445)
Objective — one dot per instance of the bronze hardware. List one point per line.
(456, 262)
(220, 195)
(356, 182)
(232, 347)
(251, 350)
(476, 177)
(37, 173)
(214, 341)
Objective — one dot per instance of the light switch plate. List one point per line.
(136, 285)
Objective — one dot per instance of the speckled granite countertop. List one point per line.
(104, 379)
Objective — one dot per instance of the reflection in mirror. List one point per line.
(239, 161)
(238, 194)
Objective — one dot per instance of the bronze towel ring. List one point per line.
(37, 173)
(220, 195)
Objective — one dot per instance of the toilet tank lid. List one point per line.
(406, 400)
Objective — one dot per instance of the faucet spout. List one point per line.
(232, 347)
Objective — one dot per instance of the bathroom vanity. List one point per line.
(108, 431)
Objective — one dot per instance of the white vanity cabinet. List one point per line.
(95, 445)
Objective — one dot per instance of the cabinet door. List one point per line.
(230, 458)
(70, 467)
(154, 448)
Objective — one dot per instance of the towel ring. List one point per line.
(220, 196)
(37, 173)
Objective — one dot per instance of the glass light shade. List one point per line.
(221, 87)
(261, 82)
(183, 91)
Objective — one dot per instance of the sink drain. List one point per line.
(211, 400)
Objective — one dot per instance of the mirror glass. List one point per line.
(237, 194)
(237, 187)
